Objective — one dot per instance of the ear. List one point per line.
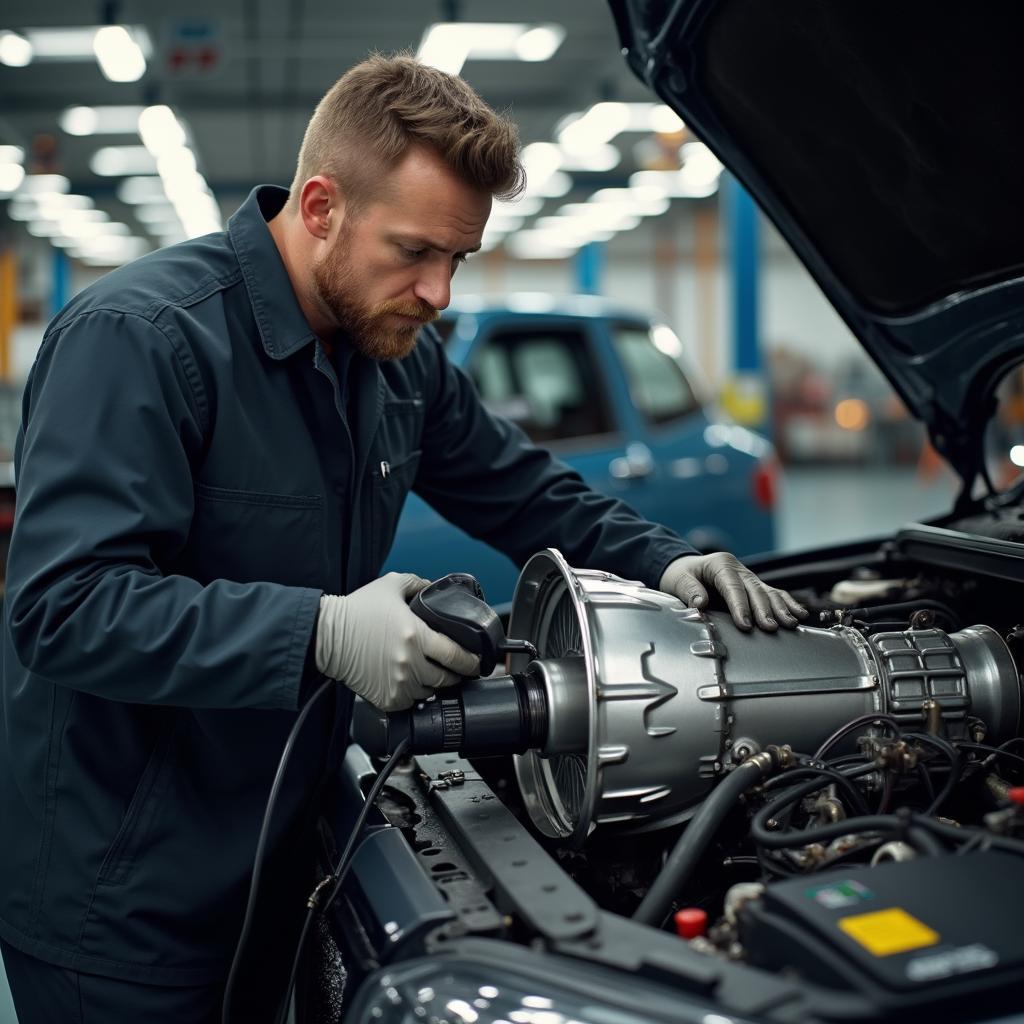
(321, 206)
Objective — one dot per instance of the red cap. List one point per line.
(690, 922)
(1015, 794)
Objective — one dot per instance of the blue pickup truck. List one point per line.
(607, 389)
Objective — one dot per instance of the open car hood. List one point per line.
(885, 142)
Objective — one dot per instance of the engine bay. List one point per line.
(821, 824)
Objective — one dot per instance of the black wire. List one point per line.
(926, 781)
(960, 833)
(997, 751)
(827, 773)
(340, 869)
(261, 843)
(856, 723)
(896, 607)
(887, 788)
(762, 836)
(955, 765)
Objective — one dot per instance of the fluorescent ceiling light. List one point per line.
(573, 229)
(41, 228)
(539, 245)
(160, 130)
(542, 161)
(43, 184)
(156, 213)
(178, 164)
(523, 206)
(15, 50)
(601, 216)
(100, 120)
(141, 189)
(448, 45)
(116, 247)
(554, 188)
(674, 185)
(119, 56)
(503, 225)
(114, 161)
(665, 121)
(11, 177)
(539, 43)
(599, 158)
(644, 202)
(78, 43)
(603, 121)
(701, 168)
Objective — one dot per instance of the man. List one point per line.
(216, 443)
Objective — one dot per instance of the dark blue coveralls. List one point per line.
(190, 480)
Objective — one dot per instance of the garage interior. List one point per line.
(623, 203)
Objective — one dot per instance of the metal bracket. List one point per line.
(525, 880)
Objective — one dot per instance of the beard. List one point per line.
(367, 327)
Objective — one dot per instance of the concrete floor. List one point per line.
(817, 505)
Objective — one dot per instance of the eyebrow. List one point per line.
(425, 243)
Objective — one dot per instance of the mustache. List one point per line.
(422, 311)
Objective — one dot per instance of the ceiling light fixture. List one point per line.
(11, 177)
(44, 184)
(448, 45)
(77, 43)
(100, 120)
(115, 161)
(581, 132)
(15, 50)
(119, 56)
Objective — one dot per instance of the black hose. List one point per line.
(843, 730)
(261, 844)
(962, 834)
(872, 611)
(884, 823)
(337, 876)
(695, 839)
(828, 776)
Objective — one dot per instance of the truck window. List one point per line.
(657, 383)
(545, 381)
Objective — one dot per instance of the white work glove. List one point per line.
(688, 578)
(372, 642)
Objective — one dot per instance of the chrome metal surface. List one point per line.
(654, 701)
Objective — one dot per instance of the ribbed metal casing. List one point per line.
(670, 696)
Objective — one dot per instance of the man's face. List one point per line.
(390, 268)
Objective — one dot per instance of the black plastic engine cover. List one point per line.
(935, 932)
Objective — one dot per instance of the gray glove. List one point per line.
(688, 578)
(373, 643)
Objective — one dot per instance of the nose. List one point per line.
(434, 285)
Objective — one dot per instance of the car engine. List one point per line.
(839, 803)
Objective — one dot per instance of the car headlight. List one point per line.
(509, 985)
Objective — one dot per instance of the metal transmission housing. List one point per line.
(648, 700)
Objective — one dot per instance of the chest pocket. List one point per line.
(250, 536)
(392, 482)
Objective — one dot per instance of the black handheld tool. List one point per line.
(490, 715)
(454, 605)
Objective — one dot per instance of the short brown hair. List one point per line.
(379, 108)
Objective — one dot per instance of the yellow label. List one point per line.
(884, 932)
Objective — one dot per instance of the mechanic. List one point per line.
(216, 443)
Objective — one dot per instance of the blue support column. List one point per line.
(589, 265)
(61, 275)
(745, 393)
